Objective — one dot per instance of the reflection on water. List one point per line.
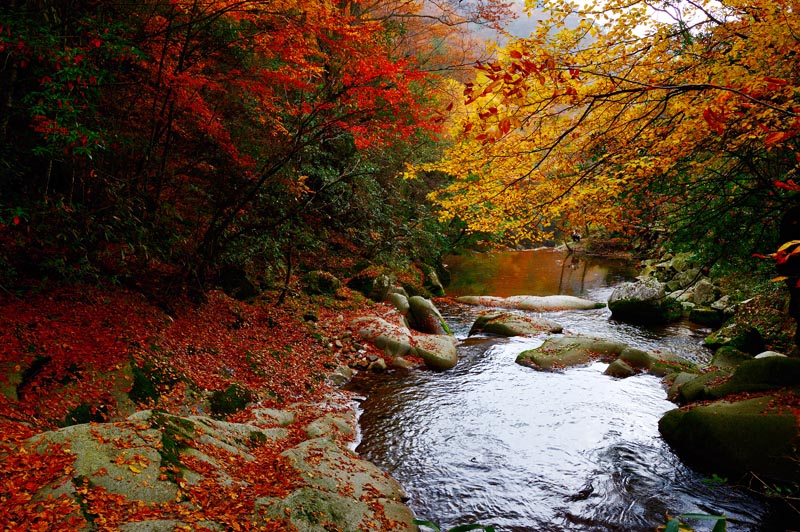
(536, 272)
(493, 442)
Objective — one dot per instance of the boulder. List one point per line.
(728, 358)
(509, 324)
(533, 303)
(431, 281)
(319, 282)
(643, 301)
(759, 375)
(767, 354)
(395, 339)
(399, 301)
(705, 293)
(675, 383)
(374, 282)
(568, 350)
(735, 438)
(423, 316)
(751, 376)
(706, 316)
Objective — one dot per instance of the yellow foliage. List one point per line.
(610, 111)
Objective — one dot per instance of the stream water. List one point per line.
(493, 442)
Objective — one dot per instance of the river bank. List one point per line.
(116, 414)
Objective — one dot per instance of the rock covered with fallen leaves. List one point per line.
(391, 334)
(510, 324)
(287, 469)
(117, 413)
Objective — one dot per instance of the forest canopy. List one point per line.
(180, 136)
(669, 120)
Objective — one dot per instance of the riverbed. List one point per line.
(496, 443)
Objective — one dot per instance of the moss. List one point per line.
(736, 438)
(233, 399)
(83, 484)
(176, 433)
(144, 384)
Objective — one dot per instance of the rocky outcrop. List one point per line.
(509, 324)
(685, 283)
(564, 351)
(739, 414)
(643, 301)
(397, 340)
(533, 303)
(165, 472)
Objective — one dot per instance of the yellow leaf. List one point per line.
(134, 469)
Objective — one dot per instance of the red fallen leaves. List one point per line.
(22, 474)
(86, 331)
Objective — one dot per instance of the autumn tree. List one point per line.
(179, 135)
(672, 117)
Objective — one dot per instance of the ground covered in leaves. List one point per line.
(83, 354)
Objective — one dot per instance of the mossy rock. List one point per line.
(319, 282)
(742, 337)
(697, 388)
(509, 324)
(11, 373)
(665, 363)
(233, 399)
(675, 382)
(735, 438)
(373, 282)
(706, 316)
(759, 375)
(728, 357)
(566, 351)
(620, 369)
(423, 316)
(431, 281)
(644, 302)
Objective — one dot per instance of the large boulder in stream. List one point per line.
(759, 435)
(643, 301)
(423, 316)
(437, 350)
(564, 351)
(510, 324)
(533, 303)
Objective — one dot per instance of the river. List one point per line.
(499, 444)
